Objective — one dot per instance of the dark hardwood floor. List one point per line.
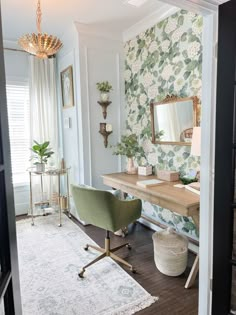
(173, 297)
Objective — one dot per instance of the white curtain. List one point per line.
(43, 120)
(43, 102)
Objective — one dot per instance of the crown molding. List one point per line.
(98, 31)
(200, 6)
(150, 20)
(10, 44)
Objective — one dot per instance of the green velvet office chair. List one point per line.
(103, 209)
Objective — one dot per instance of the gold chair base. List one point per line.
(107, 251)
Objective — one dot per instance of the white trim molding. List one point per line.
(149, 21)
(203, 7)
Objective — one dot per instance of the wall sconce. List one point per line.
(105, 130)
(104, 108)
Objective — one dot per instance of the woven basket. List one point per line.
(170, 252)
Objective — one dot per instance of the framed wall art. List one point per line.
(67, 88)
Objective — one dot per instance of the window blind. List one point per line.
(19, 129)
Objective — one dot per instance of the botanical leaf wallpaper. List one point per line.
(165, 59)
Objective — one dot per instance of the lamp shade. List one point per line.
(196, 141)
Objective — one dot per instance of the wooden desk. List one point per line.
(165, 195)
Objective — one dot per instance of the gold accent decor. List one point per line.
(104, 133)
(104, 107)
(186, 133)
(41, 44)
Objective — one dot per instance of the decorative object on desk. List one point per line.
(170, 252)
(196, 142)
(170, 176)
(67, 87)
(104, 87)
(189, 178)
(42, 153)
(196, 147)
(145, 170)
(105, 131)
(149, 183)
(194, 190)
(129, 147)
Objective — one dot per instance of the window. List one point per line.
(19, 129)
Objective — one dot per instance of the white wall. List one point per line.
(70, 137)
(16, 69)
(101, 59)
(94, 58)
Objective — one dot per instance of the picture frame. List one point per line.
(67, 88)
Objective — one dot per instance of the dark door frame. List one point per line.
(225, 149)
(9, 277)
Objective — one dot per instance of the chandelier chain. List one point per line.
(39, 17)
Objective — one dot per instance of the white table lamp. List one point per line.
(196, 150)
(196, 141)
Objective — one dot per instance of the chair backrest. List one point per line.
(101, 208)
(95, 206)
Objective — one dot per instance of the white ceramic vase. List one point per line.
(104, 96)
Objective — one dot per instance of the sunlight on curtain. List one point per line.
(43, 102)
(44, 118)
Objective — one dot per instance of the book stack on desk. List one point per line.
(149, 183)
(194, 187)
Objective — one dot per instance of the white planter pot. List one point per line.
(40, 167)
(104, 96)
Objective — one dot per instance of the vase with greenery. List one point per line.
(42, 153)
(129, 147)
(104, 87)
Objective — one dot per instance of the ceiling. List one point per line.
(18, 16)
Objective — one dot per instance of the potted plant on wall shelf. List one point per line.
(129, 147)
(42, 153)
(104, 87)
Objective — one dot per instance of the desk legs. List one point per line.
(195, 268)
(193, 273)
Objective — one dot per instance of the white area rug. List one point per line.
(50, 259)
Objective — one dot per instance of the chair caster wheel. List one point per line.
(81, 274)
(133, 270)
(32, 223)
(128, 246)
(59, 224)
(86, 247)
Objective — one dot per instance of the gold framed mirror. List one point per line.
(173, 119)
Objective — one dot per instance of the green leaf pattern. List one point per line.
(165, 59)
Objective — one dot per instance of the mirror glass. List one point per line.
(173, 120)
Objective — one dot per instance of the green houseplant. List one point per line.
(104, 88)
(129, 147)
(42, 153)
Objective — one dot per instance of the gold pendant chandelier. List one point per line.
(42, 45)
